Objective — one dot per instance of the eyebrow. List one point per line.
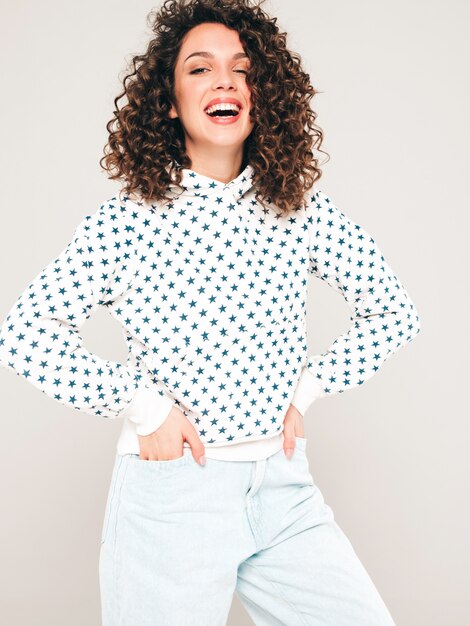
(209, 55)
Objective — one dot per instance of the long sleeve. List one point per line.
(384, 318)
(40, 337)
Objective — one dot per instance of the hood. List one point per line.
(198, 185)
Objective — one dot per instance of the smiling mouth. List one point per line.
(223, 109)
(226, 113)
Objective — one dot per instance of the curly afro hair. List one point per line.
(146, 148)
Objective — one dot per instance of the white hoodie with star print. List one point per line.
(211, 292)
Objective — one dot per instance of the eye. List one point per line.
(201, 69)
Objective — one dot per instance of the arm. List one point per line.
(40, 337)
(383, 316)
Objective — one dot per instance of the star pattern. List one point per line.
(210, 289)
(383, 319)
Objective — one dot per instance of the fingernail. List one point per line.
(202, 459)
(289, 452)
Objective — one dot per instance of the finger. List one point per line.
(143, 447)
(197, 447)
(289, 442)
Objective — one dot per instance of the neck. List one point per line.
(221, 167)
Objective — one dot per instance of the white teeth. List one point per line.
(225, 106)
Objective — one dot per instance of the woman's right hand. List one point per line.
(166, 442)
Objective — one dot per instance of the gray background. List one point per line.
(392, 457)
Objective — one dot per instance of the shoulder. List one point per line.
(114, 216)
(319, 206)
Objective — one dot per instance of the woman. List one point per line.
(204, 258)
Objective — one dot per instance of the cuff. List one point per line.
(307, 391)
(148, 409)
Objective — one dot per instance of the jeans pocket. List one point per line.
(112, 496)
(163, 463)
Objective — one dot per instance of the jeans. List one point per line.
(179, 539)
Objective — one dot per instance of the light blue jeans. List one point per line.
(179, 539)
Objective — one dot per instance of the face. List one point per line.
(217, 73)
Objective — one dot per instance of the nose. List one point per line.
(224, 80)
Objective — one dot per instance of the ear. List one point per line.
(172, 113)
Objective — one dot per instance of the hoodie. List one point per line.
(210, 289)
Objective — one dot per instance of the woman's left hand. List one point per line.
(293, 427)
